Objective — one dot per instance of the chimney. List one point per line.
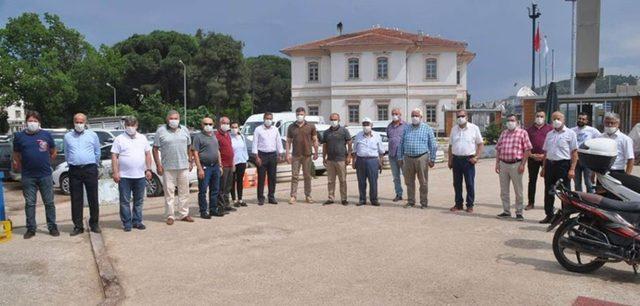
(420, 35)
(339, 27)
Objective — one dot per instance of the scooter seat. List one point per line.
(630, 181)
(610, 204)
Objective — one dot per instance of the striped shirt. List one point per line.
(512, 144)
(417, 140)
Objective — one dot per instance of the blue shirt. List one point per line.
(35, 150)
(82, 148)
(417, 141)
(368, 146)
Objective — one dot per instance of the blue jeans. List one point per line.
(210, 181)
(463, 169)
(30, 186)
(367, 170)
(396, 171)
(128, 186)
(583, 172)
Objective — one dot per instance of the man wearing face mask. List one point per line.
(206, 155)
(367, 162)
(465, 148)
(82, 152)
(131, 164)
(395, 130)
(265, 147)
(625, 157)
(584, 132)
(560, 158)
(301, 137)
(226, 159)
(416, 154)
(512, 151)
(537, 134)
(336, 146)
(33, 151)
(173, 141)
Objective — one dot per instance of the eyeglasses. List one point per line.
(462, 116)
(208, 123)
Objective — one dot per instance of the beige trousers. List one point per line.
(509, 173)
(339, 169)
(412, 168)
(173, 178)
(305, 163)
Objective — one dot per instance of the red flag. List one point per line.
(536, 40)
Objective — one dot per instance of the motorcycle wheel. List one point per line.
(579, 265)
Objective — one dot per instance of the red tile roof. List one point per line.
(378, 36)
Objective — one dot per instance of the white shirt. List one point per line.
(266, 140)
(559, 145)
(368, 146)
(240, 154)
(464, 141)
(625, 149)
(585, 133)
(131, 154)
(635, 136)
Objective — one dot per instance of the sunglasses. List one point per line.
(462, 116)
(208, 123)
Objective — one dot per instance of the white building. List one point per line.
(368, 73)
(15, 118)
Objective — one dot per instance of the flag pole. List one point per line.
(545, 61)
(553, 62)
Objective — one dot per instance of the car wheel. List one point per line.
(320, 172)
(64, 184)
(154, 187)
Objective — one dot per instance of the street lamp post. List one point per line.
(115, 105)
(573, 42)
(184, 89)
(534, 13)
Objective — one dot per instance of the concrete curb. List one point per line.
(113, 291)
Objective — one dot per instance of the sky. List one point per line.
(498, 31)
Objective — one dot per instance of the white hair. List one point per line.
(417, 110)
(613, 116)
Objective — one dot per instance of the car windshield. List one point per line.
(249, 127)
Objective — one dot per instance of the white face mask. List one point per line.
(131, 130)
(395, 117)
(224, 127)
(174, 123)
(366, 129)
(267, 122)
(511, 125)
(33, 126)
(557, 124)
(234, 132)
(208, 128)
(415, 120)
(610, 130)
(461, 120)
(300, 118)
(79, 127)
(539, 121)
(335, 123)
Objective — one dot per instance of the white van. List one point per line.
(282, 121)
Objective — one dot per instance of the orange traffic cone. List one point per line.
(246, 181)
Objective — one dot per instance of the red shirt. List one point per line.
(512, 145)
(537, 137)
(226, 149)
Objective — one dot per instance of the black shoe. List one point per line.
(243, 203)
(519, 218)
(127, 229)
(236, 204)
(260, 203)
(504, 215)
(376, 203)
(139, 226)
(345, 202)
(76, 231)
(360, 203)
(546, 220)
(328, 202)
(216, 214)
(229, 208)
(397, 198)
(29, 234)
(205, 216)
(54, 232)
(273, 201)
(96, 229)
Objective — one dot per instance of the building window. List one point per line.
(18, 114)
(354, 68)
(431, 69)
(313, 71)
(430, 113)
(313, 110)
(458, 77)
(354, 113)
(383, 68)
(383, 112)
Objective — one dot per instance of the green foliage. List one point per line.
(4, 123)
(493, 131)
(270, 78)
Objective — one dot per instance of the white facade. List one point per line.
(15, 118)
(406, 86)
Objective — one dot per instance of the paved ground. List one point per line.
(313, 254)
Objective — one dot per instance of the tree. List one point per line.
(270, 83)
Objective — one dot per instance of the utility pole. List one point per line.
(573, 43)
(533, 14)
(184, 89)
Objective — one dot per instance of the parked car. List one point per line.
(154, 186)
(107, 136)
(6, 162)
